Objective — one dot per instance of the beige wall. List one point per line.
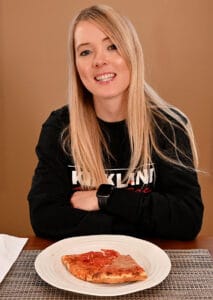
(178, 49)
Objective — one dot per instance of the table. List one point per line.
(191, 276)
(202, 242)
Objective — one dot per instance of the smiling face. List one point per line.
(102, 70)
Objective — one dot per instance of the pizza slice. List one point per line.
(105, 266)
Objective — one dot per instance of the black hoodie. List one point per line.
(164, 202)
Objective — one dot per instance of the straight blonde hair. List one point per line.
(84, 139)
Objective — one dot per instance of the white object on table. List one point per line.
(10, 248)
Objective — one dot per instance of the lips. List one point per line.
(105, 77)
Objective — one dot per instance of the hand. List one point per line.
(85, 200)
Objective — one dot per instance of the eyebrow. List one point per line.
(86, 44)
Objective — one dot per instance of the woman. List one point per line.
(118, 159)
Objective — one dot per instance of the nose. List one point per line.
(100, 59)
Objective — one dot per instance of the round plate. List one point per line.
(154, 260)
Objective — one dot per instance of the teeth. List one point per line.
(105, 77)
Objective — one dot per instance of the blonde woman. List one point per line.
(117, 159)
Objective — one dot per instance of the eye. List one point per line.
(85, 53)
(112, 47)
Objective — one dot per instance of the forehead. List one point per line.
(88, 32)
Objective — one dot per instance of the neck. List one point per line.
(110, 110)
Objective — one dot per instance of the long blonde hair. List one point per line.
(84, 137)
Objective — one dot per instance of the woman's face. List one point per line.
(101, 68)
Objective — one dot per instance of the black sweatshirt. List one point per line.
(164, 202)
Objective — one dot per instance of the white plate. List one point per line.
(153, 259)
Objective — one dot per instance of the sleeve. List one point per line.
(51, 214)
(173, 210)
